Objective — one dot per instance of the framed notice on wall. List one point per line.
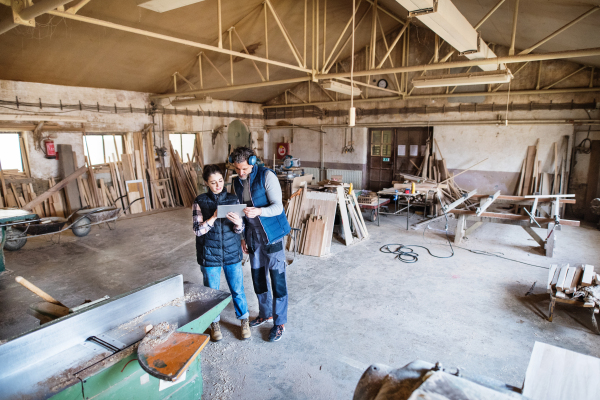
(401, 150)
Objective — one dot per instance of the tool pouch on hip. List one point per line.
(274, 248)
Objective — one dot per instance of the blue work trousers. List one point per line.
(235, 279)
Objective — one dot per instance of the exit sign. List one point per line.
(386, 160)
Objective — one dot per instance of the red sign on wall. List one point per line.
(282, 149)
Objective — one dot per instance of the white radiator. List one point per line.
(348, 176)
(314, 172)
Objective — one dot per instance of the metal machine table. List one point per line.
(92, 352)
(407, 196)
(8, 217)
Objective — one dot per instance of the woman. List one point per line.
(218, 245)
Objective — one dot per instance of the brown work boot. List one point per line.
(245, 329)
(215, 332)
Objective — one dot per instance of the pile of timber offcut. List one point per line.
(567, 282)
(312, 214)
(433, 175)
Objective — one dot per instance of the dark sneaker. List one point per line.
(215, 332)
(259, 321)
(276, 333)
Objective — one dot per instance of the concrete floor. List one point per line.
(353, 308)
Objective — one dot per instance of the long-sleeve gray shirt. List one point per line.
(274, 196)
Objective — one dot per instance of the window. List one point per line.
(10, 151)
(99, 149)
(184, 144)
(381, 143)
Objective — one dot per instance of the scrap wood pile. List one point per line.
(139, 181)
(578, 283)
(433, 176)
(534, 181)
(312, 215)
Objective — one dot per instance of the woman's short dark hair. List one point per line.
(241, 154)
(209, 170)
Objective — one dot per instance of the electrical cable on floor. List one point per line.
(406, 254)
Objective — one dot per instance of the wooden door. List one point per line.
(409, 149)
(380, 159)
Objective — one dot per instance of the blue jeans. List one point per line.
(235, 280)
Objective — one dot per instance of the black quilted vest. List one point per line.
(221, 245)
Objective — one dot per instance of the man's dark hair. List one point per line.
(241, 154)
(209, 170)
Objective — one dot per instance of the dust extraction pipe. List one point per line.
(35, 10)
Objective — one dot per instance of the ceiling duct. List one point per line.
(162, 6)
(442, 17)
(472, 78)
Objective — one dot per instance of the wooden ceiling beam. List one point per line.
(172, 39)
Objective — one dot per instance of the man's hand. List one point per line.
(236, 219)
(252, 212)
(244, 248)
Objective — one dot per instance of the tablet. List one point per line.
(222, 211)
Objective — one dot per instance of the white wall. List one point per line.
(106, 122)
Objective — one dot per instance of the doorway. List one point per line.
(393, 152)
(238, 135)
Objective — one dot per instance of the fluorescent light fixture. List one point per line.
(442, 17)
(161, 6)
(342, 88)
(470, 78)
(191, 102)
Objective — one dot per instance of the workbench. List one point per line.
(92, 352)
(8, 217)
(409, 197)
(527, 222)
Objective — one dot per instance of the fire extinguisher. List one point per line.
(50, 150)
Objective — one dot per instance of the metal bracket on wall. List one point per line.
(424, 11)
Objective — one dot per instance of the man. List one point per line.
(266, 225)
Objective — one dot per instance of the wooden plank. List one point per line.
(534, 235)
(4, 191)
(359, 213)
(593, 178)
(560, 374)
(484, 206)
(551, 274)
(39, 199)
(458, 202)
(514, 217)
(297, 181)
(344, 214)
(136, 186)
(588, 275)
(529, 166)
(576, 278)
(560, 284)
(568, 285)
(460, 229)
(473, 228)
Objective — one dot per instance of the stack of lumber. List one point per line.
(185, 179)
(534, 181)
(564, 281)
(313, 214)
(359, 229)
(313, 235)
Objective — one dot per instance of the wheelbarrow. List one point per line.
(81, 222)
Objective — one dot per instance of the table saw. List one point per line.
(93, 352)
